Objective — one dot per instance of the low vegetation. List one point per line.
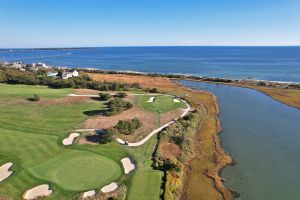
(121, 95)
(176, 147)
(15, 76)
(116, 106)
(104, 96)
(128, 127)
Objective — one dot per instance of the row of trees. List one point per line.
(15, 76)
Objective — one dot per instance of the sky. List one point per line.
(78, 23)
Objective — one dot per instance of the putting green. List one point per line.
(78, 170)
(161, 104)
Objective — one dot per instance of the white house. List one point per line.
(52, 74)
(67, 75)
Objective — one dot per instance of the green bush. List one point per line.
(34, 98)
(121, 95)
(128, 127)
(104, 96)
(117, 105)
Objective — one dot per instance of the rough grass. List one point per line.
(161, 103)
(27, 91)
(290, 97)
(78, 170)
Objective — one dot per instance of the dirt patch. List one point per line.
(170, 150)
(147, 118)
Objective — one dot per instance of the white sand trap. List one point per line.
(38, 191)
(128, 165)
(176, 101)
(4, 171)
(88, 194)
(151, 100)
(69, 140)
(109, 188)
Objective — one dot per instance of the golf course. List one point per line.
(31, 135)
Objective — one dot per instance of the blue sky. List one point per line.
(67, 23)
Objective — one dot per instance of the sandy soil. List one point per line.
(5, 171)
(128, 165)
(109, 188)
(38, 191)
(69, 140)
(176, 100)
(88, 194)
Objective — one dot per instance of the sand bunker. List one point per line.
(128, 165)
(38, 191)
(4, 171)
(176, 100)
(110, 188)
(69, 140)
(88, 194)
(151, 100)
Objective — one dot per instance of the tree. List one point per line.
(121, 95)
(104, 96)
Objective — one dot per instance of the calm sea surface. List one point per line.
(263, 137)
(269, 63)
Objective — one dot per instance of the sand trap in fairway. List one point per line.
(110, 188)
(69, 140)
(128, 165)
(151, 100)
(90, 193)
(38, 191)
(4, 171)
(176, 101)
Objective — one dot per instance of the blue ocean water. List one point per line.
(267, 63)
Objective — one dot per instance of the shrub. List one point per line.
(128, 127)
(34, 98)
(117, 105)
(104, 96)
(121, 95)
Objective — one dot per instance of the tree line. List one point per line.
(16, 76)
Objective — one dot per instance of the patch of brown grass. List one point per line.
(290, 97)
(147, 118)
(170, 150)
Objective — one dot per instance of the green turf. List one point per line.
(31, 137)
(78, 170)
(26, 91)
(145, 182)
(161, 104)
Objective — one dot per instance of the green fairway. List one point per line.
(26, 91)
(78, 170)
(161, 104)
(31, 137)
(145, 182)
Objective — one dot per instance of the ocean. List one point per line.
(265, 63)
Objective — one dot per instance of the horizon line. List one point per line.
(121, 46)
